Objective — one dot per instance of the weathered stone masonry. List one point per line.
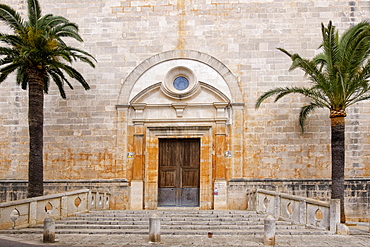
(229, 46)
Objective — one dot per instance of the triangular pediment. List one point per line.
(153, 95)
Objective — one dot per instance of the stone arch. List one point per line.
(150, 107)
(225, 73)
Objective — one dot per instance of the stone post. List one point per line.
(302, 212)
(33, 213)
(276, 208)
(90, 202)
(269, 230)
(154, 229)
(49, 230)
(334, 214)
(259, 203)
(64, 207)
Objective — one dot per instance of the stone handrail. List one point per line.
(300, 210)
(32, 211)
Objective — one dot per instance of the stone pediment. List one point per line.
(153, 95)
(180, 96)
(153, 104)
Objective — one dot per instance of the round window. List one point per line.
(181, 83)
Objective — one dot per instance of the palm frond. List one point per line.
(59, 81)
(284, 51)
(305, 111)
(88, 58)
(52, 20)
(11, 18)
(62, 54)
(359, 99)
(12, 40)
(320, 60)
(73, 73)
(280, 92)
(330, 47)
(66, 25)
(3, 77)
(9, 68)
(68, 32)
(34, 12)
(22, 77)
(267, 95)
(49, 21)
(354, 46)
(56, 70)
(309, 67)
(6, 51)
(6, 60)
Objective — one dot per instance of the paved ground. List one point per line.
(359, 237)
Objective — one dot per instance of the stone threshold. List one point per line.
(177, 208)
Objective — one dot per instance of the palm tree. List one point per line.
(37, 53)
(339, 78)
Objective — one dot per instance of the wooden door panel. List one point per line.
(190, 178)
(168, 178)
(192, 157)
(179, 172)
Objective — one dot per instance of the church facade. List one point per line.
(170, 119)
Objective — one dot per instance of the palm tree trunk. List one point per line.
(36, 122)
(338, 162)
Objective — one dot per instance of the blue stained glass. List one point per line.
(181, 83)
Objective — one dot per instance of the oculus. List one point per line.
(180, 83)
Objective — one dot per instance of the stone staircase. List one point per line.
(179, 222)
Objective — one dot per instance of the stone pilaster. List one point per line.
(220, 194)
(136, 197)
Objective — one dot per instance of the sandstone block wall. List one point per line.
(81, 139)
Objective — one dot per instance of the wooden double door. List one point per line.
(179, 172)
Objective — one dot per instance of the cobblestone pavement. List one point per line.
(359, 237)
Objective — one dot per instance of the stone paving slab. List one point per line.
(359, 237)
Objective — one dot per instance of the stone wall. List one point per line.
(80, 132)
(357, 192)
(81, 139)
(11, 190)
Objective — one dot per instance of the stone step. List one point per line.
(227, 216)
(257, 232)
(183, 222)
(181, 227)
(164, 215)
(167, 219)
(193, 212)
(165, 222)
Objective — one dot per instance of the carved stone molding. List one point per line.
(179, 107)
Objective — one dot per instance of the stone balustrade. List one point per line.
(32, 211)
(300, 210)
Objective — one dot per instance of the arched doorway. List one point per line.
(179, 97)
